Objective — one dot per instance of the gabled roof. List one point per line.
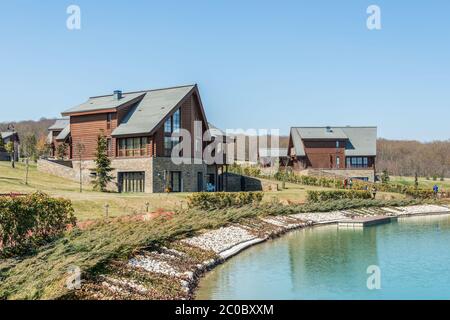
(59, 124)
(8, 134)
(321, 133)
(103, 103)
(63, 134)
(151, 110)
(361, 141)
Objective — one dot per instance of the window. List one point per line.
(109, 142)
(365, 162)
(357, 162)
(168, 125)
(108, 120)
(171, 125)
(133, 147)
(337, 144)
(176, 123)
(338, 162)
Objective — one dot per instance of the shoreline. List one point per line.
(182, 264)
(240, 247)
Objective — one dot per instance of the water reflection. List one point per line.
(330, 263)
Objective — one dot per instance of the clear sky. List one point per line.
(258, 64)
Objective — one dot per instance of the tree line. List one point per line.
(397, 157)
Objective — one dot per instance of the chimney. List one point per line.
(117, 94)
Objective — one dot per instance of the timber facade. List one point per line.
(139, 128)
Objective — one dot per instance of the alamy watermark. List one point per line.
(73, 280)
(374, 19)
(73, 21)
(374, 280)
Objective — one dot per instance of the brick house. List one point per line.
(346, 151)
(138, 127)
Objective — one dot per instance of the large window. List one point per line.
(357, 162)
(133, 147)
(171, 125)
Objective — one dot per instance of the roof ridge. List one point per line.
(149, 90)
(337, 127)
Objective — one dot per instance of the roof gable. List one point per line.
(151, 110)
(361, 141)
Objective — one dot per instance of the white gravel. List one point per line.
(221, 239)
(423, 209)
(320, 217)
(154, 265)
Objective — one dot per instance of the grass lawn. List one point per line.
(89, 204)
(423, 182)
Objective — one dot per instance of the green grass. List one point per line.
(423, 182)
(89, 205)
(43, 275)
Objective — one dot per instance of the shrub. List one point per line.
(218, 200)
(319, 196)
(30, 221)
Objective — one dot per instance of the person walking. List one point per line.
(436, 190)
(374, 192)
(350, 183)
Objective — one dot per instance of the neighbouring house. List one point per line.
(138, 127)
(58, 133)
(7, 137)
(345, 151)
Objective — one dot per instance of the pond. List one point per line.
(411, 259)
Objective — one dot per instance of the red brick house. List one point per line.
(138, 127)
(347, 151)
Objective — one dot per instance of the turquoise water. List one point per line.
(328, 262)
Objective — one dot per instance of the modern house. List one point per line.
(7, 137)
(138, 127)
(346, 151)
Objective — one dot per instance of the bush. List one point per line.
(218, 200)
(319, 196)
(29, 221)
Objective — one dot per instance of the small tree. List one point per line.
(385, 177)
(416, 181)
(11, 150)
(103, 164)
(2, 144)
(61, 151)
(42, 147)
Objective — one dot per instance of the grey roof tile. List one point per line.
(362, 141)
(151, 110)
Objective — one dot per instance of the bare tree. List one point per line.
(79, 152)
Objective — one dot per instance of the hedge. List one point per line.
(315, 196)
(337, 183)
(29, 221)
(219, 200)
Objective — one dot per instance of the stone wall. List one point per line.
(189, 173)
(353, 173)
(58, 170)
(119, 165)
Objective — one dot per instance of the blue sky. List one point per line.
(259, 64)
